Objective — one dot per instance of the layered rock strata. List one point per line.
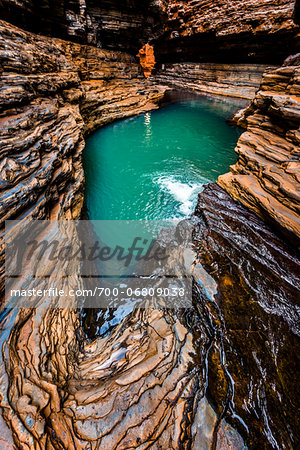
(251, 31)
(138, 386)
(146, 383)
(110, 24)
(149, 387)
(266, 176)
(252, 365)
(132, 388)
(52, 92)
(235, 80)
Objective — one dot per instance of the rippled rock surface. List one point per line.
(219, 374)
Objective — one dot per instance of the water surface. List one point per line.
(153, 166)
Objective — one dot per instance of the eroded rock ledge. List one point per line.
(266, 175)
(56, 382)
(252, 31)
(234, 80)
(53, 92)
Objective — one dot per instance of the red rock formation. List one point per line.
(147, 59)
(266, 175)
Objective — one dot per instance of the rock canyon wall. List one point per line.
(266, 177)
(145, 384)
(252, 31)
(53, 92)
(234, 80)
(109, 24)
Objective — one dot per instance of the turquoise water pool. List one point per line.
(152, 166)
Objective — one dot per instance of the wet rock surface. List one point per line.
(221, 373)
(253, 364)
(266, 175)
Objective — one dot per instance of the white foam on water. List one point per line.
(184, 193)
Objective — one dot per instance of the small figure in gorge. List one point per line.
(147, 59)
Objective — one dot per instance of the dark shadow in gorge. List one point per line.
(242, 48)
(236, 346)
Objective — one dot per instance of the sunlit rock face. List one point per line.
(147, 59)
(266, 175)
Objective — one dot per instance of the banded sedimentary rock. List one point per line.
(252, 366)
(266, 175)
(52, 92)
(253, 31)
(41, 138)
(235, 80)
(132, 388)
(140, 385)
(146, 383)
(230, 18)
(110, 24)
(147, 59)
(112, 84)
